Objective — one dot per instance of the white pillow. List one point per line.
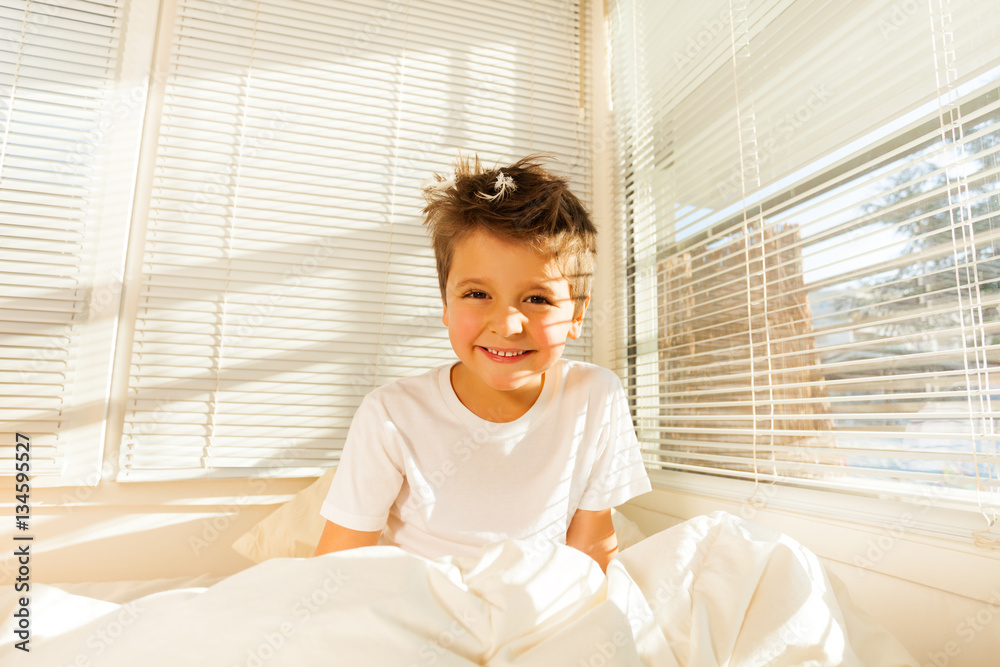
(292, 530)
(626, 530)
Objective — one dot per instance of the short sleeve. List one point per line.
(369, 475)
(618, 474)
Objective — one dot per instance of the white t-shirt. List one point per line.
(442, 481)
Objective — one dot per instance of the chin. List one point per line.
(509, 384)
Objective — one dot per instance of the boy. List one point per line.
(510, 442)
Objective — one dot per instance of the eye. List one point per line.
(538, 300)
(476, 294)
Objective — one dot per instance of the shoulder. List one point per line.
(587, 381)
(422, 389)
(581, 372)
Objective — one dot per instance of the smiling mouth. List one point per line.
(510, 354)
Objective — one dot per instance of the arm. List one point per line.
(337, 538)
(593, 534)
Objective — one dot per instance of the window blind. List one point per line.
(808, 216)
(58, 65)
(286, 272)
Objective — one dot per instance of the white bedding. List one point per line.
(126, 591)
(715, 590)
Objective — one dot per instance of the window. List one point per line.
(69, 123)
(217, 303)
(809, 230)
(284, 268)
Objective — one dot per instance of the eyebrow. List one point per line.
(477, 282)
(470, 282)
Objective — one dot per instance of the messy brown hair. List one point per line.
(522, 203)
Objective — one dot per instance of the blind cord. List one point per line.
(747, 237)
(210, 442)
(392, 196)
(960, 216)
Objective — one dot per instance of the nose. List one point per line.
(507, 321)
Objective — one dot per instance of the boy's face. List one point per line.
(509, 299)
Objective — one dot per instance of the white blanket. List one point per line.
(715, 590)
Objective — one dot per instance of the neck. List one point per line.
(490, 404)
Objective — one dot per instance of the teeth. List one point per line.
(505, 354)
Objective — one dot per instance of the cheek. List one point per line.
(553, 331)
(462, 326)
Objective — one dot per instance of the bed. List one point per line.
(715, 590)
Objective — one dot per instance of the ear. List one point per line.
(444, 312)
(576, 326)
